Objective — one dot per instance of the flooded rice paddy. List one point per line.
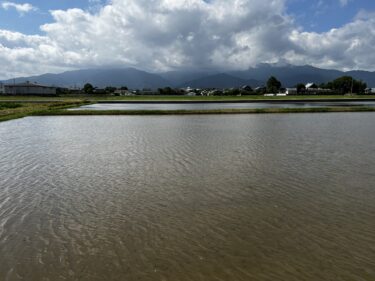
(235, 197)
(220, 105)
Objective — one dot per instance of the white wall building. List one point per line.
(291, 91)
(28, 88)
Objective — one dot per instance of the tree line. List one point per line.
(341, 85)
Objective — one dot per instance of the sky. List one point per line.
(38, 36)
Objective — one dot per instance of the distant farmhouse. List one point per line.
(313, 89)
(27, 88)
(291, 91)
(122, 92)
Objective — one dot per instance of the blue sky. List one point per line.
(321, 16)
(29, 23)
(160, 35)
(312, 15)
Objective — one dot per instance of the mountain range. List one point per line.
(133, 78)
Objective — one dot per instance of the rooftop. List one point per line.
(28, 84)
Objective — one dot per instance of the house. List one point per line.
(99, 91)
(311, 86)
(28, 88)
(246, 88)
(291, 91)
(260, 90)
(188, 89)
(370, 91)
(147, 91)
(120, 92)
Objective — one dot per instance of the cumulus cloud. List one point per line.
(349, 47)
(20, 8)
(184, 34)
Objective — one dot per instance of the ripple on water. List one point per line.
(271, 197)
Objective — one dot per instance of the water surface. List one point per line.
(249, 197)
(218, 106)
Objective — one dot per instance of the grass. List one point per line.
(9, 111)
(9, 105)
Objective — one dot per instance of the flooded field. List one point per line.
(234, 197)
(220, 105)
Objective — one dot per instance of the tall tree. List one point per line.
(300, 88)
(273, 85)
(88, 88)
(347, 84)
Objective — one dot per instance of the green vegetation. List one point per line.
(168, 91)
(9, 111)
(88, 89)
(273, 85)
(300, 88)
(346, 84)
(9, 105)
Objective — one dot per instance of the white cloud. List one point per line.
(20, 8)
(174, 34)
(349, 47)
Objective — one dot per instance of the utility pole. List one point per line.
(351, 88)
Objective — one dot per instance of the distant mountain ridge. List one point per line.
(133, 78)
(130, 77)
(221, 80)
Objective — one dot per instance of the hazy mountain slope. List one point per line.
(289, 75)
(221, 80)
(129, 77)
(180, 77)
(366, 76)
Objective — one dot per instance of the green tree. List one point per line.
(232, 92)
(110, 90)
(300, 88)
(88, 88)
(168, 91)
(347, 84)
(273, 85)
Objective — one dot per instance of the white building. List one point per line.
(291, 91)
(311, 86)
(123, 93)
(370, 91)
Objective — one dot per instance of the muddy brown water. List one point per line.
(235, 197)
